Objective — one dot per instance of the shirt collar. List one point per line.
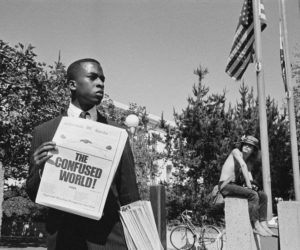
(74, 111)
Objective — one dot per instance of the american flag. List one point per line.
(242, 49)
(282, 61)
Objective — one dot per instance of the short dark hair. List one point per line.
(75, 66)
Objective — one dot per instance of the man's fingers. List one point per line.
(41, 155)
(45, 147)
(48, 143)
(43, 159)
(48, 156)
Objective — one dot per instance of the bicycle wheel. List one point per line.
(211, 238)
(182, 237)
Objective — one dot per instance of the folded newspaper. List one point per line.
(139, 226)
(79, 175)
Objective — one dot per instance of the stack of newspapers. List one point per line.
(139, 226)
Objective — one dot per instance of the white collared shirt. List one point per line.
(74, 111)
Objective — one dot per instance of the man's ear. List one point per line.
(72, 85)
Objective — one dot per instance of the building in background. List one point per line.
(165, 166)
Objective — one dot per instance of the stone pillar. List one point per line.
(289, 224)
(239, 233)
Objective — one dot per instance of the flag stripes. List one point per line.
(242, 49)
(282, 60)
(241, 54)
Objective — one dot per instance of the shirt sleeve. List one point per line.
(33, 179)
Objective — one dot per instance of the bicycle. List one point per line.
(187, 235)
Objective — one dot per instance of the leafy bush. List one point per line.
(29, 95)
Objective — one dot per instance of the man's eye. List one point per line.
(102, 78)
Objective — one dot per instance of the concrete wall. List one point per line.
(289, 225)
(239, 232)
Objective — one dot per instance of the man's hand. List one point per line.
(255, 186)
(42, 153)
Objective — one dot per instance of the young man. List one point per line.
(236, 173)
(68, 231)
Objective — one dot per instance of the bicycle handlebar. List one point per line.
(185, 214)
(187, 211)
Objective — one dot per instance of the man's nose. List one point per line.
(99, 82)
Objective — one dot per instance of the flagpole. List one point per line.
(264, 142)
(290, 101)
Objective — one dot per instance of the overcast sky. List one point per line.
(149, 48)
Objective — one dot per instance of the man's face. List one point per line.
(248, 149)
(89, 85)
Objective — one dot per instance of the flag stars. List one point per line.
(246, 13)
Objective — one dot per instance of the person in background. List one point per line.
(68, 231)
(236, 181)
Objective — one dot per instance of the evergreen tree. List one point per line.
(207, 132)
(162, 121)
(200, 137)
